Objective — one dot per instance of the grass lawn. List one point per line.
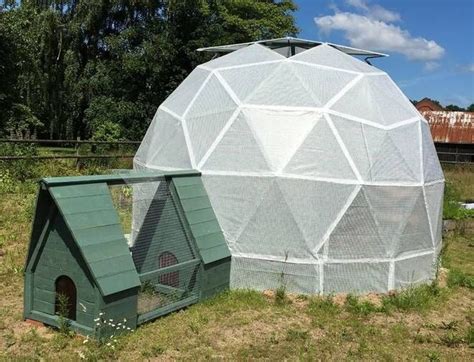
(426, 323)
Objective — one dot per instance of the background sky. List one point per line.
(430, 42)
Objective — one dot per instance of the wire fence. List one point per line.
(458, 154)
(96, 153)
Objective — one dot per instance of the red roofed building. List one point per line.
(427, 104)
(452, 132)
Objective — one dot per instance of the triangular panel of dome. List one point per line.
(407, 140)
(315, 205)
(143, 151)
(280, 133)
(388, 162)
(391, 207)
(283, 88)
(238, 150)
(353, 136)
(431, 166)
(434, 202)
(235, 199)
(208, 115)
(245, 80)
(328, 56)
(320, 155)
(168, 145)
(376, 99)
(251, 54)
(179, 100)
(381, 155)
(261, 237)
(323, 84)
(416, 235)
(356, 235)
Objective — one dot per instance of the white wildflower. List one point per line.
(101, 313)
(97, 319)
(109, 344)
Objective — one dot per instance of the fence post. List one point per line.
(77, 145)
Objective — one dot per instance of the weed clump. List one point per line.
(418, 298)
(363, 308)
(457, 278)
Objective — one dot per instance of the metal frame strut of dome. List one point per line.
(292, 43)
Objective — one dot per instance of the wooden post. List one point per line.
(76, 146)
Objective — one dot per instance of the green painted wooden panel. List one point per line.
(192, 191)
(196, 203)
(94, 218)
(100, 234)
(201, 219)
(118, 282)
(117, 178)
(61, 192)
(187, 181)
(45, 295)
(93, 221)
(202, 215)
(205, 228)
(42, 306)
(215, 277)
(75, 205)
(102, 268)
(104, 250)
(211, 240)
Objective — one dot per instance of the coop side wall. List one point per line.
(215, 278)
(58, 255)
(116, 312)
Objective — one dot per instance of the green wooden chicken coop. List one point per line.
(104, 258)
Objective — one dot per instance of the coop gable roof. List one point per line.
(87, 208)
(88, 211)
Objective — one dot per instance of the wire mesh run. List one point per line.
(164, 255)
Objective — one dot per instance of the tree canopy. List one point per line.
(100, 68)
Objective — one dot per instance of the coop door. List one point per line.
(65, 303)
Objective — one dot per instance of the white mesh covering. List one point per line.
(322, 174)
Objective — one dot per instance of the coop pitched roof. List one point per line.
(201, 218)
(89, 213)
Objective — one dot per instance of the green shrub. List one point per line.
(451, 206)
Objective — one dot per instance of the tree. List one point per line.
(470, 108)
(454, 108)
(76, 64)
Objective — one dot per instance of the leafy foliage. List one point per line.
(100, 68)
(451, 206)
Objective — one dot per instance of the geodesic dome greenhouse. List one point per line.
(323, 175)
